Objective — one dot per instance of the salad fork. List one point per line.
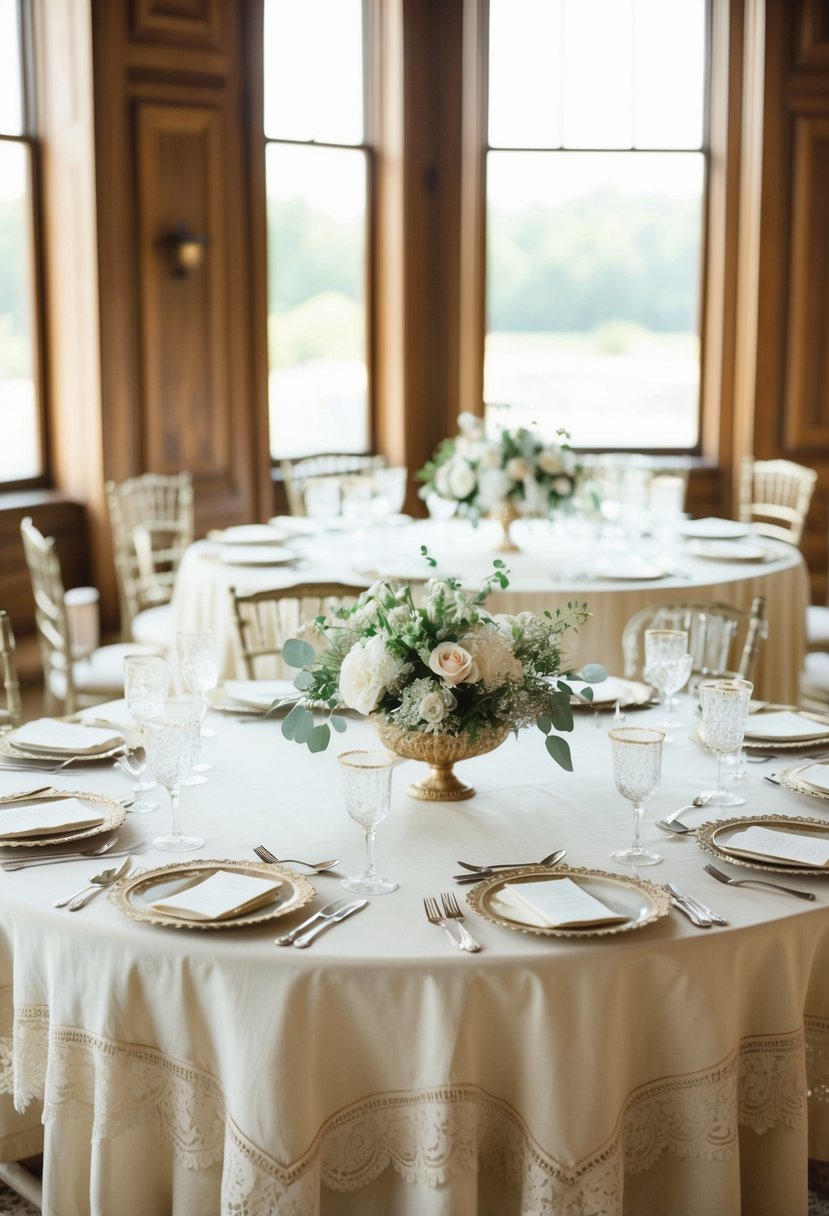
(434, 918)
(318, 867)
(452, 909)
(756, 882)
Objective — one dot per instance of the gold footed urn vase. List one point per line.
(441, 753)
(506, 514)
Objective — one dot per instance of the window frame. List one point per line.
(718, 246)
(368, 147)
(28, 138)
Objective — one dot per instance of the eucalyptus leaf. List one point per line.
(291, 723)
(594, 673)
(338, 723)
(586, 694)
(562, 715)
(304, 727)
(319, 738)
(297, 653)
(559, 749)
(544, 723)
(303, 680)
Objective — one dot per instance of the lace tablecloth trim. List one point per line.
(427, 1136)
(817, 1059)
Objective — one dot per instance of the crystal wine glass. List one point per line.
(367, 785)
(172, 747)
(667, 667)
(637, 768)
(724, 705)
(146, 686)
(200, 672)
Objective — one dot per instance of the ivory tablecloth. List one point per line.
(663, 1070)
(554, 566)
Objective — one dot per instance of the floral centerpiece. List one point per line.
(440, 678)
(482, 474)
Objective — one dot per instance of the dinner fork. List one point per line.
(452, 909)
(756, 882)
(434, 917)
(318, 867)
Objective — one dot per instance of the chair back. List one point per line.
(332, 472)
(10, 713)
(264, 620)
(50, 611)
(775, 497)
(152, 524)
(723, 641)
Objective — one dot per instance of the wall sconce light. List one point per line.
(186, 250)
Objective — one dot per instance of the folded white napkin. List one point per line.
(246, 534)
(114, 713)
(610, 690)
(558, 903)
(259, 694)
(801, 849)
(221, 895)
(44, 818)
(784, 724)
(64, 738)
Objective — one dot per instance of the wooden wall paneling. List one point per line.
(814, 34)
(188, 21)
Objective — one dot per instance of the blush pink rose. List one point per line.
(453, 664)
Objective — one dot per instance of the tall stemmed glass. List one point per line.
(146, 687)
(667, 667)
(200, 672)
(172, 747)
(724, 705)
(367, 785)
(637, 769)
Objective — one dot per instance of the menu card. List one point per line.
(816, 775)
(558, 903)
(222, 894)
(45, 818)
(800, 849)
(51, 736)
(784, 724)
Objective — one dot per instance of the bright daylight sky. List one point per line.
(12, 178)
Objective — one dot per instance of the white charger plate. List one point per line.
(112, 814)
(730, 551)
(713, 528)
(256, 555)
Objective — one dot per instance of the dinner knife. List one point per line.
(327, 921)
(702, 908)
(701, 922)
(287, 939)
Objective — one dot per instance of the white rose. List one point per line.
(490, 458)
(366, 673)
(550, 461)
(453, 664)
(432, 708)
(518, 468)
(461, 479)
(563, 486)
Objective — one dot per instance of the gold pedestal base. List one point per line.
(440, 785)
(441, 753)
(506, 515)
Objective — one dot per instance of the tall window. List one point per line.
(596, 174)
(316, 178)
(21, 457)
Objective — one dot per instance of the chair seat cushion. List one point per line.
(817, 625)
(154, 627)
(101, 673)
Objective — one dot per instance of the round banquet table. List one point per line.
(614, 577)
(666, 1069)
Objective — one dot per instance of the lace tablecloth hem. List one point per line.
(427, 1135)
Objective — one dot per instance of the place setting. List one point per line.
(51, 741)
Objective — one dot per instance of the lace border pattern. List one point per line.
(427, 1136)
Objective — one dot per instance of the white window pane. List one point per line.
(318, 378)
(314, 70)
(592, 295)
(525, 65)
(11, 90)
(20, 450)
(670, 73)
(598, 74)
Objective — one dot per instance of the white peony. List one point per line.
(490, 458)
(493, 655)
(461, 479)
(366, 673)
(563, 486)
(550, 461)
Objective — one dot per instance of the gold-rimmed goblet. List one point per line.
(637, 770)
(172, 747)
(146, 687)
(724, 705)
(367, 787)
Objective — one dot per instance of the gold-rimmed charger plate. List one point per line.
(136, 894)
(113, 815)
(713, 838)
(791, 779)
(641, 902)
(12, 752)
(630, 694)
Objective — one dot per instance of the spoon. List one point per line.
(478, 875)
(549, 860)
(96, 883)
(133, 762)
(671, 823)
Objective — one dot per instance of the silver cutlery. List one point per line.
(682, 905)
(43, 859)
(55, 859)
(27, 794)
(21, 764)
(327, 921)
(452, 910)
(754, 882)
(287, 939)
(703, 909)
(97, 883)
(773, 778)
(550, 860)
(672, 822)
(433, 915)
(318, 867)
